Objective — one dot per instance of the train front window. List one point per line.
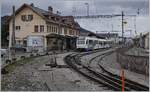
(81, 42)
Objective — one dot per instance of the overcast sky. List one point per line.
(78, 7)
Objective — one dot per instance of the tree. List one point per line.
(4, 31)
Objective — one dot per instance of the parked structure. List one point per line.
(57, 32)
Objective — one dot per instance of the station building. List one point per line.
(35, 27)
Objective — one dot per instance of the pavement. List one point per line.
(25, 77)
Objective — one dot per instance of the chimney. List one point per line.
(58, 12)
(50, 9)
(32, 4)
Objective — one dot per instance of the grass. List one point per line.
(15, 64)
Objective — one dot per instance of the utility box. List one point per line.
(35, 43)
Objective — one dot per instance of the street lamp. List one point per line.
(87, 4)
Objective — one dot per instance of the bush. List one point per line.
(31, 55)
(22, 57)
(8, 61)
(4, 71)
(14, 59)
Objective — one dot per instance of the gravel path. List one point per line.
(25, 77)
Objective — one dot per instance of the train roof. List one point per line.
(94, 38)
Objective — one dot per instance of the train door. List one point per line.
(100, 44)
(87, 43)
(103, 44)
(90, 44)
(96, 44)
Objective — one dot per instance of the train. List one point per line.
(92, 43)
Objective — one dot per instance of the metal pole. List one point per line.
(138, 12)
(13, 28)
(122, 27)
(135, 25)
(13, 34)
(87, 8)
(12, 44)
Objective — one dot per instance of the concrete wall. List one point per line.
(138, 64)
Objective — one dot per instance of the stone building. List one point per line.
(146, 41)
(58, 32)
(142, 41)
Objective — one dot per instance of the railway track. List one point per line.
(113, 82)
(131, 84)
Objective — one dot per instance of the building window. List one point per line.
(53, 18)
(36, 28)
(77, 32)
(57, 19)
(56, 29)
(65, 30)
(27, 17)
(52, 28)
(63, 21)
(17, 27)
(70, 32)
(41, 28)
(23, 17)
(73, 32)
(30, 17)
(48, 28)
(60, 31)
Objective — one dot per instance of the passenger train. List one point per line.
(91, 43)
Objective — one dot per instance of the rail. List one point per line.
(110, 80)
